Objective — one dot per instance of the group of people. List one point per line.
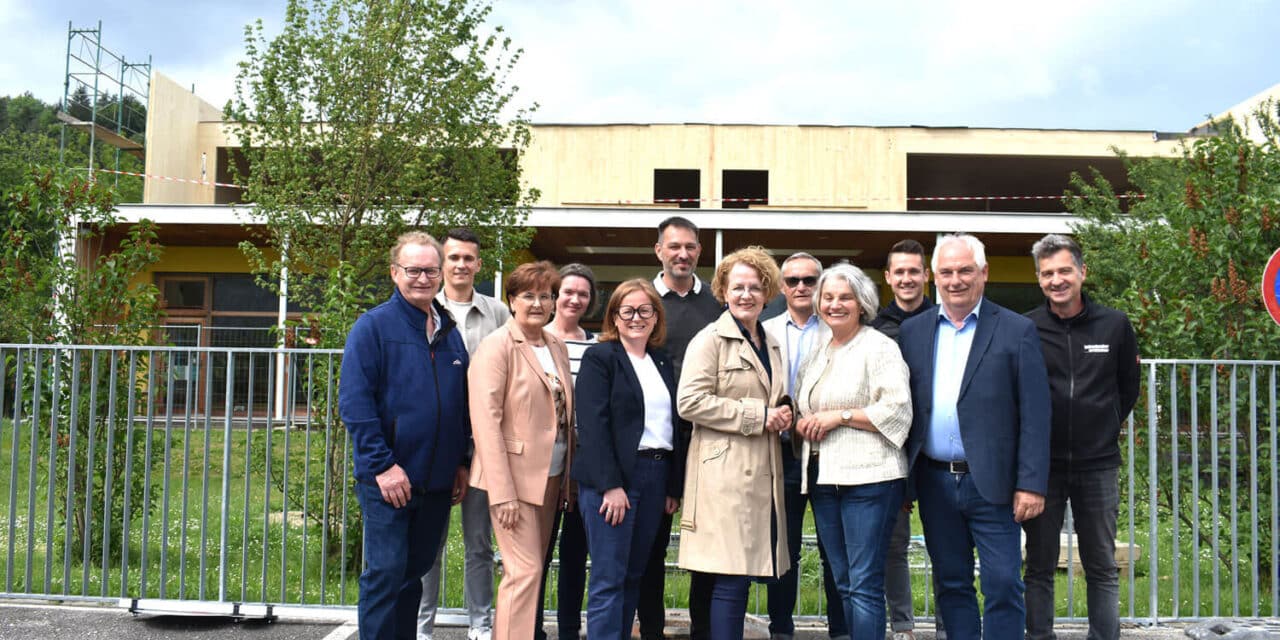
(687, 404)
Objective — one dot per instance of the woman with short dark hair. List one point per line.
(575, 300)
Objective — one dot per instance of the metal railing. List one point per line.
(223, 475)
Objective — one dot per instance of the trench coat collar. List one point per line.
(727, 327)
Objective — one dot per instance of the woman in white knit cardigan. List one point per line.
(855, 407)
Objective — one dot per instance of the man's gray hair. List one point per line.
(1053, 243)
(864, 290)
(973, 244)
(800, 255)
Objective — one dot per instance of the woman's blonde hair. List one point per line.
(757, 258)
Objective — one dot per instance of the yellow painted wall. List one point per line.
(188, 259)
(202, 260)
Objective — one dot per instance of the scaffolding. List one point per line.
(104, 95)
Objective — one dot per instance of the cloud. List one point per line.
(820, 62)
(1158, 64)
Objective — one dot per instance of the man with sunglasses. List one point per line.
(477, 316)
(403, 398)
(795, 331)
(907, 276)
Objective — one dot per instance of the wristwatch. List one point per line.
(846, 416)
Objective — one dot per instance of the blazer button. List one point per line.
(748, 472)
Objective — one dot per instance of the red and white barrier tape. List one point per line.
(170, 178)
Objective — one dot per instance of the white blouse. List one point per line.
(657, 404)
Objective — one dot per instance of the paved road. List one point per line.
(49, 622)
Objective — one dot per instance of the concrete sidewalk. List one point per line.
(21, 621)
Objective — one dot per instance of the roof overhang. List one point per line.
(709, 219)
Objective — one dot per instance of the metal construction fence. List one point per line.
(212, 475)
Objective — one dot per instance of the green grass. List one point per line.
(166, 561)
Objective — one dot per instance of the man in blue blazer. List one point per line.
(979, 444)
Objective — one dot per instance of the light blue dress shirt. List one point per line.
(951, 354)
(799, 340)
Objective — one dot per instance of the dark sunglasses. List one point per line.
(808, 281)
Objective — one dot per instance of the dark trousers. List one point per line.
(571, 580)
(957, 520)
(784, 591)
(622, 550)
(399, 546)
(1095, 504)
(652, 607)
(728, 605)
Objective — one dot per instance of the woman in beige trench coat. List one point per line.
(731, 388)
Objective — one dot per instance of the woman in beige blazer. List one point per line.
(521, 397)
(732, 389)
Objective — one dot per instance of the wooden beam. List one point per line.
(106, 135)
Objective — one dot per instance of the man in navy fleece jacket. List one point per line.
(403, 397)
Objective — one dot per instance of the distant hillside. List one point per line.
(30, 132)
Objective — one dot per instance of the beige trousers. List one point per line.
(523, 549)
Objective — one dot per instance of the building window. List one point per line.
(227, 156)
(679, 186)
(184, 293)
(745, 187)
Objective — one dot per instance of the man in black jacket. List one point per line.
(907, 276)
(1091, 353)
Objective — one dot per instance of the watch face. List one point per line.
(846, 415)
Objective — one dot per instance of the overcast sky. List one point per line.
(1084, 64)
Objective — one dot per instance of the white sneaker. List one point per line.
(479, 634)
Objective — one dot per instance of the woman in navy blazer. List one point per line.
(630, 460)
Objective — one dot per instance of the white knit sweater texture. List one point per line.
(866, 373)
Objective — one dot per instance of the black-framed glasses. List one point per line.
(413, 273)
(793, 282)
(645, 311)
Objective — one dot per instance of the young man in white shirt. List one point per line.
(477, 315)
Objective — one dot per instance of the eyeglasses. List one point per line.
(753, 290)
(645, 311)
(413, 273)
(530, 297)
(793, 282)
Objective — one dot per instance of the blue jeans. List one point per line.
(957, 520)
(855, 522)
(1095, 504)
(783, 591)
(620, 553)
(728, 605)
(399, 545)
(571, 579)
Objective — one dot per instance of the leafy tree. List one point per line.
(54, 296)
(1185, 262)
(31, 137)
(363, 120)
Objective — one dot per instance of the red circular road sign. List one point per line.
(1271, 286)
